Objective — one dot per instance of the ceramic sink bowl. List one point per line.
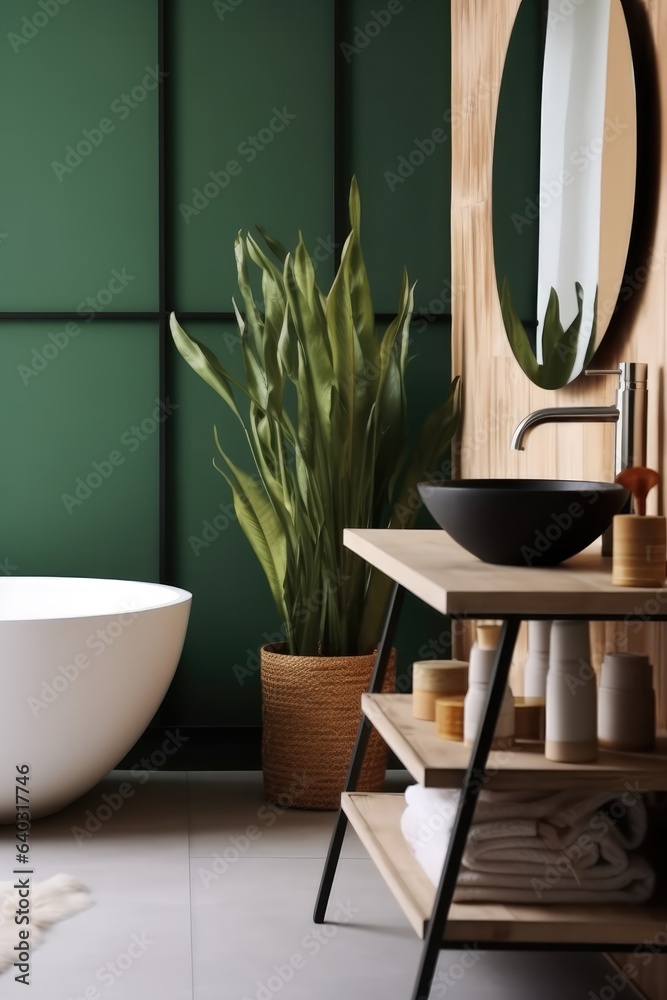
(523, 522)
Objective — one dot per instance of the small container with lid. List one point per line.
(432, 679)
(640, 540)
(640, 551)
(449, 717)
(626, 703)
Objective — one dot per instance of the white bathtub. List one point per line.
(84, 667)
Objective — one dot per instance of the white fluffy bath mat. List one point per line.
(56, 899)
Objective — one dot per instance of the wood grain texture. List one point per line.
(438, 763)
(496, 393)
(376, 820)
(431, 565)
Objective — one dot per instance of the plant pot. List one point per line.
(311, 709)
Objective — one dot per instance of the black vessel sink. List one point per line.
(523, 522)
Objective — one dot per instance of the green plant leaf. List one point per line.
(517, 336)
(274, 245)
(560, 348)
(363, 314)
(260, 525)
(253, 316)
(592, 345)
(315, 370)
(324, 416)
(205, 364)
(257, 255)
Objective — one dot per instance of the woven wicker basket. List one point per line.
(311, 708)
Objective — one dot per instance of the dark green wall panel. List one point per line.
(67, 227)
(74, 405)
(400, 94)
(231, 605)
(240, 80)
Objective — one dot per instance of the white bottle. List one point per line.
(571, 725)
(537, 660)
(479, 674)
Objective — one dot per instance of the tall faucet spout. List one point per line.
(563, 415)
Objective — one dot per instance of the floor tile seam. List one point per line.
(189, 869)
(276, 857)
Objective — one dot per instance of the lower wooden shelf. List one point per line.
(376, 819)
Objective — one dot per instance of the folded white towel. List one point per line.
(635, 885)
(55, 899)
(430, 814)
(533, 842)
(622, 815)
(492, 846)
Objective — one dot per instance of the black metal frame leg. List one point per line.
(379, 672)
(472, 785)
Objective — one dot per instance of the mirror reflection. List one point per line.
(566, 151)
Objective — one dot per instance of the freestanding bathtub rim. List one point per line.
(111, 597)
(85, 665)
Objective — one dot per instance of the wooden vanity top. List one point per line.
(436, 569)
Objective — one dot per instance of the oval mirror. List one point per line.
(564, 180)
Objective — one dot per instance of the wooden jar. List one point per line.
(432, 679)
(449, 717)
(640, 550)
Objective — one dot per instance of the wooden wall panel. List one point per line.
(496, 393)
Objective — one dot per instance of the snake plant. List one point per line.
(325, 423)
(560, 347)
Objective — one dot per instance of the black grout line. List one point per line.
(211, 316)
(387, 317)
(162, 134)
(188, 793)
(194, 316)
(380, 317)
(163, 557)
(85, 317)
(340, 124)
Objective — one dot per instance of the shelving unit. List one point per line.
(376, 820)
(433, 567)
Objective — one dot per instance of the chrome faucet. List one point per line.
(629, 414)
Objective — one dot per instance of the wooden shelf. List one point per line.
(438, 763)
(436, 569)
(376, 819)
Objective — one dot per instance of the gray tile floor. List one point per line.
(203, 892)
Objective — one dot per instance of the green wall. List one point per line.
(70, 220)
(73, 231)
